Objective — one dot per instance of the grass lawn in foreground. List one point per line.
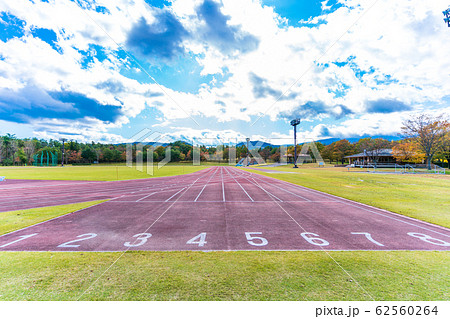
(425, 197)
(225, 276)
(94, 172)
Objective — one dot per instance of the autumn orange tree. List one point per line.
(342, 148)
(428, 132)
(408, 151)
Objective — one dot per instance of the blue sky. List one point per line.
(104, 70)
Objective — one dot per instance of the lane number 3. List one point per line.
(140, 240)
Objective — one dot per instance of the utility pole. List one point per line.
(63, 151)
(248, 154)
(294, 123)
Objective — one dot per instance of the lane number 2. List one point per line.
(69, 244)
(199, 240)
(260, 241)
(140, 240)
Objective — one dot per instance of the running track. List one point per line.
(219, 208)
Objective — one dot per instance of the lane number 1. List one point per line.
(21, 238)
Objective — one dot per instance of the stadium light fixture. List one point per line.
(294, 123)
(447, 16)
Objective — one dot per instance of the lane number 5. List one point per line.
(260, 241)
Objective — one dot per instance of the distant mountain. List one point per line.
(326, 141)
(330, 140)
(255, 144)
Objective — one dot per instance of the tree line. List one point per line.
(425, 138)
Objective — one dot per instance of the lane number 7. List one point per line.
(369, 237)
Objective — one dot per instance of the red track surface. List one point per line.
(219, 208)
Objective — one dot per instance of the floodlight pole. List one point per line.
(295, 146)
(294, 123)
(248, 154)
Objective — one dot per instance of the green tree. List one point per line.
(89, 154)
(107, 154)
(8, 145)
(20, 156)
(175, 155)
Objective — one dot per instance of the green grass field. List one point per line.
(303, 275)
(94, 172)
(224, 276)
(424, 197)
(11, 221)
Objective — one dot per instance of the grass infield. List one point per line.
(94, 173)
(18, 219)
(424, 197)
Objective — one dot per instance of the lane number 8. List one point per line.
(429, 239)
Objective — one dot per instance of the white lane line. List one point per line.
(370, 209)
(167, 209)
(205, 185)
(221, 201)
(256, 184)
(223, 187)
(285, 190)
(241, 186)
(145, 197)
(175, 194)
(298, 187)
(262, 188)
(326, 252)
